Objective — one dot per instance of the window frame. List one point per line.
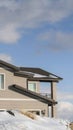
(4, 81)
(32, 83)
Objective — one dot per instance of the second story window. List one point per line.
(32, 86)
(1, 81)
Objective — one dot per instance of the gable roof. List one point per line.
(8, 65)
(32, 94)
(33, 74)
(16, 70)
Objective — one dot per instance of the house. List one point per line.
(20, 89)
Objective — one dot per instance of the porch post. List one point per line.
(53, 96)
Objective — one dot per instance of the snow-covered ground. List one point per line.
(23, 122)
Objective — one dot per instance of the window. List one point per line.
(32, 86)
(1, 81)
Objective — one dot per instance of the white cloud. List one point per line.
(16, 15)
(9, 35)
(57, 40)
(6, 58)
(65, 105)
(65, 110)
(65, 96)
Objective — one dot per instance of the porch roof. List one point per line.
(41, 75)
(33, 95)
(39, 71)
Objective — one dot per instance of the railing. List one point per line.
(46, 95)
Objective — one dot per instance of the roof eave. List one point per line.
(39, 71)
(8, 65)
(44, 79)
(31, 94)
(23, 74)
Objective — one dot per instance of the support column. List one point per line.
(53, 111)
(53, 96)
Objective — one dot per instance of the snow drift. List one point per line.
(15, 120)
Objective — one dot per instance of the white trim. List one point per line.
(33, 109)
(2, 110)
(16, 99)
(4, 81)
(39, 75)
(1, 68)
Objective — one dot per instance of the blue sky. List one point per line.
(39, 33)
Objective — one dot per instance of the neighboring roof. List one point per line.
(31, 94)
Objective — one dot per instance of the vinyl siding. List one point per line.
(6, 94)
(24, 105)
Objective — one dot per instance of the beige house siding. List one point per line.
(13, 100)
(11, 79)
(8, 78)
(21, 81)
(16, 79)
(11, 94)
(27, 104)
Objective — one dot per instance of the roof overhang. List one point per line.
(32, 74)
(41, 72)
(8, 65)
(44, 79)
(23, 74)
(33, 95)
